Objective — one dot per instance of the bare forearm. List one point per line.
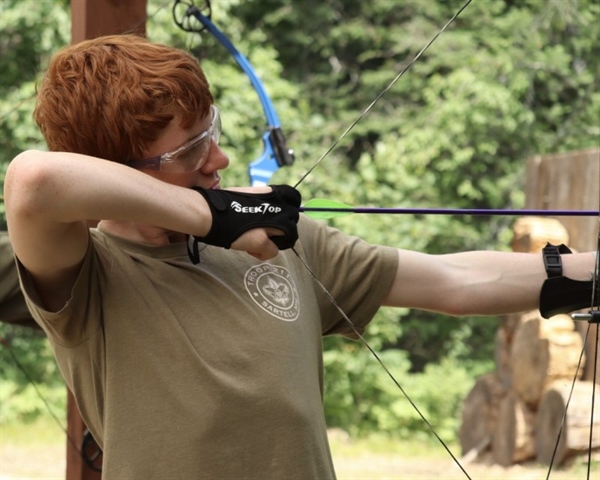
(66, 188)
(483, 283)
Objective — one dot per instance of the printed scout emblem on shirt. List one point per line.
(273, 290)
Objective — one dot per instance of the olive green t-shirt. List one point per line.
(211, 371)
(12, 304)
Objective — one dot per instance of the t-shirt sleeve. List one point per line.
(13, 308)
(358, 275)
(80, 317)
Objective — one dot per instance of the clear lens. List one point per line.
(188, 157)
(192, 156)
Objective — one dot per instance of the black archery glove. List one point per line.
(234, 213)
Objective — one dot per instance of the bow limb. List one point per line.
(275, 153)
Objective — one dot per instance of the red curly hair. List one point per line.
(110, 97)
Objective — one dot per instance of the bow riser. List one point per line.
(276, 153)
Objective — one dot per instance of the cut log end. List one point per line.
(575, 433)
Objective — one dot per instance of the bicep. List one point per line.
(51, 250)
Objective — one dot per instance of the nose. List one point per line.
(217, 159)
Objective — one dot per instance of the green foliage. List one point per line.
(26, 403)
(32, 351)
(507, 81)
(30, 32)
(29, 376)
(360, 397)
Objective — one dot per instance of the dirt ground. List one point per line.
(48, 463)
(377, 468)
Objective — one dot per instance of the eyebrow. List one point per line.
(210, 112)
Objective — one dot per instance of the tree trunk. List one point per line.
(575, 436)
(513, 439)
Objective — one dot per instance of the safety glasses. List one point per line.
(190, 156)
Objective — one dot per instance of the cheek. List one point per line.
(181, 179)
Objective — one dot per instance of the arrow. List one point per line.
(324, 209)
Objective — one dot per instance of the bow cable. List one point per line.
(593, 316)
(372, 350)
(318, 282)
(383, 92)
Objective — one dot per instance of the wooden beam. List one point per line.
(91, 19)
(570, 181)
(77, 467)
(94, 18)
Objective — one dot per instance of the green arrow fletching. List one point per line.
(329, 204)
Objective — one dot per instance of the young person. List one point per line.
(187, 328)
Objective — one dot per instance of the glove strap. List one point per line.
(560, 294)
(193, 250)
(552, 260)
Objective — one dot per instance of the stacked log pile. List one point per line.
(515, 413)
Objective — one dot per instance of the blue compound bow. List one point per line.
(276, 153)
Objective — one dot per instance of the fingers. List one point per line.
(265, 189)
(258, 243)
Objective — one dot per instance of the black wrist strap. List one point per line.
(552, 260)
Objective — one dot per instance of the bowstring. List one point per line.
(312, 274)
(382, 93)
(593, 307)
(567, 403)
(374, 353)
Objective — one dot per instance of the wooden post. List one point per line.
(77, 468)
(575, 438)
(570, 181)
(90, 19)
(503, 408)
(94, 18)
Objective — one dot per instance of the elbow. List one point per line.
(26, 185)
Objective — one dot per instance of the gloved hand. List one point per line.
(234, 213)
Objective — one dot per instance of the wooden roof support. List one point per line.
(90, 19)
(94, 18)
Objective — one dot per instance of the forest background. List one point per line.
(508, 80)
